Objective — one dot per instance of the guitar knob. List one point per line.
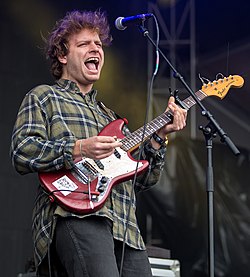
(101, 189)
(104, 180)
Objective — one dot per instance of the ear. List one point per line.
(62, 59)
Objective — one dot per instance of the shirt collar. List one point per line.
(72, 87)
(68, 85)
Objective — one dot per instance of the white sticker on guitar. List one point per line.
(65, 185)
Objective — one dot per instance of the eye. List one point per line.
(82, 44)
(99, 44)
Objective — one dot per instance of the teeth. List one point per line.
(94, 60)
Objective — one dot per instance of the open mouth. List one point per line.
(92, 64)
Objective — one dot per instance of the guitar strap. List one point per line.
(111, 114)
(108, 111)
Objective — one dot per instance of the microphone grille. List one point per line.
(119, 25)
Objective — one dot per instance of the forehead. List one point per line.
(84, 35)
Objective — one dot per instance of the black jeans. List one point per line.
(86, 248)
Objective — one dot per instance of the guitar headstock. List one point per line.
(220, 87)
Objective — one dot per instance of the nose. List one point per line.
(93, 47)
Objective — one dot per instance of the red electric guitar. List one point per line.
(85, 188)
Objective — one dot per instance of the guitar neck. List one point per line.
(135, 138)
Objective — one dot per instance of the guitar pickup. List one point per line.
(117, 154)
(99, 164)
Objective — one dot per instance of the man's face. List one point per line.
(85, 59)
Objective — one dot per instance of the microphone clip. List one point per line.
(121, 23)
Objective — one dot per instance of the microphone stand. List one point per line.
(209, 131)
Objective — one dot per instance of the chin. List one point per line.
(94, 78)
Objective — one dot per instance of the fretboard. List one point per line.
(138, 136)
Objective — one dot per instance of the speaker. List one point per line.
(161, 263)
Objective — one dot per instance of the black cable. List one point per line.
(49, 242)
(142, 140)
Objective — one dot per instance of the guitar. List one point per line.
(85, 188)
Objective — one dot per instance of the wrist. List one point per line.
(82, 155)
(78, 150)
(158, 139)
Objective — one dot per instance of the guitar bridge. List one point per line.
(87, 174)
(84, 172)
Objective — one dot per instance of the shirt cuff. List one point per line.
(68, 153)
(158, 154)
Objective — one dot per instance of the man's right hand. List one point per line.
(96, 147)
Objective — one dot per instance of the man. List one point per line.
(59, 124)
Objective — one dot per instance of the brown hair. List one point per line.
(72, 23)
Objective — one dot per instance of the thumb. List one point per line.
(171, 99)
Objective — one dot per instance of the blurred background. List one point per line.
(208, 39)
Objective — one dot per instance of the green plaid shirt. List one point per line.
(50, 120)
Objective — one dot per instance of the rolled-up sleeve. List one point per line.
(156, 159)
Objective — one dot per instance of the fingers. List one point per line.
(171, 100)
(99, 147)
(108, 143)
(179, 117)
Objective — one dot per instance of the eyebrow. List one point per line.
(87, 41)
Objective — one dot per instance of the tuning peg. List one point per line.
(219, 76)
(204, 80)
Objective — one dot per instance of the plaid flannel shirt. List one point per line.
(50, 120)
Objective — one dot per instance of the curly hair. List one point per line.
(72, 23)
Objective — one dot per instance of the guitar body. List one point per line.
(85, 188)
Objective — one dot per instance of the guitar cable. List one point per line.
(150, 90)
(49, 249)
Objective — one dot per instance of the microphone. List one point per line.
(121, 23)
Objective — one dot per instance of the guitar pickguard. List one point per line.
(112, 166)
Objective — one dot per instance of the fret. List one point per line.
(202, 94)
(154, 125)
(189, 102)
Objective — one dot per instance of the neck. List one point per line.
(85, 88)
